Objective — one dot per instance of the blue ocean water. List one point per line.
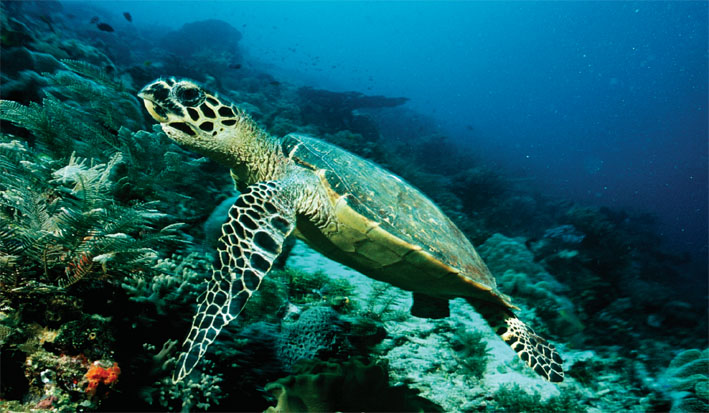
(599, 102)
(566, 140)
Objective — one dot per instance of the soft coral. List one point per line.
(98, 375)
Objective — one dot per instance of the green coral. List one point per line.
(199, 391)
(267, 302)
(687, 377)
(502, 253)
(384, 303)
(308, 287)
(528, 282)
(77, 114)
(471, 350)
(319, 386)
(515, 399)
(92, 114)
(177, 281)
(60, 223)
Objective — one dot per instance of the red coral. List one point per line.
(98, 375)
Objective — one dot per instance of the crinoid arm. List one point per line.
(251, 240)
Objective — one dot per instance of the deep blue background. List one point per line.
(600, 102)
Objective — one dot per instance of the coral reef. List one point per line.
(106, 232)
(532, 286)
(348, 386)
(192, 37)
(687, 381)
(514, 399)
(177, 283)
(317, 333)
(100, 377)
(334, 110)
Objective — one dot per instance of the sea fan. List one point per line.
(94, 72)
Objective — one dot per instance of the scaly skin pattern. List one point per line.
(279, 193)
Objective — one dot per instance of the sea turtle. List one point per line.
(347, 208)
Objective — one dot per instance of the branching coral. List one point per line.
(200, 391)
(176, 283)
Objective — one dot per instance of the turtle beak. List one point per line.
(146, 93)
(151, 107)
(156, 111)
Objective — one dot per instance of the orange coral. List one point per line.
(98, 375)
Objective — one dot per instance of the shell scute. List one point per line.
(395, 217)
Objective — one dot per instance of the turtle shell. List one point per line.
(406, 216)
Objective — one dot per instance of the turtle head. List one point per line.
(190, 115)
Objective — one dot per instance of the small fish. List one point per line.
(274, 82)
(94, 20)
(147, 63)
(127, 16)
(235, 66)
(104, 27)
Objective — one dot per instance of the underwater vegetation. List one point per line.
(104, 251)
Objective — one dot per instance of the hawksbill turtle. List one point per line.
(347, 208)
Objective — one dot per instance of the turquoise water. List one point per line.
(566, 141)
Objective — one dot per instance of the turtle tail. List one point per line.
(535, 351)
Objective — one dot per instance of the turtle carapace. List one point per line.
(347, 208)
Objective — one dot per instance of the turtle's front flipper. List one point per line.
(535, 351)
(252, 238)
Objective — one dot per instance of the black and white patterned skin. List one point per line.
(534, 350)
(252, 238)
(350, 209)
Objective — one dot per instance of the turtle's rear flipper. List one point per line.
(252, 238)
(535, 351)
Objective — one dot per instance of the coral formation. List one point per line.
(348, 386)
(334, 110)
(520, 276)
(687, 379)
(514, 399)
(101, 377)
(94, 267)
(177, 282)
(317, 333)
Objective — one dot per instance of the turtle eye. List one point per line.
(189, 95)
